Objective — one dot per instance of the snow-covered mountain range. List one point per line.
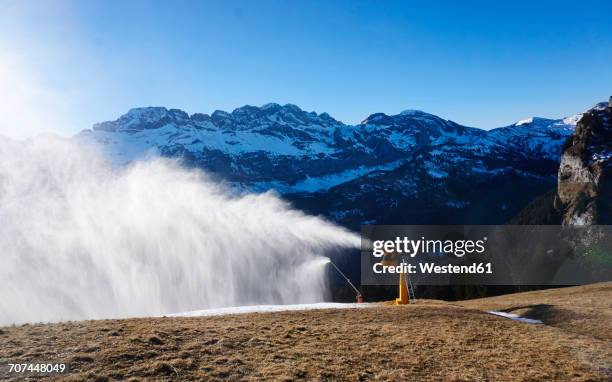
(412, 167)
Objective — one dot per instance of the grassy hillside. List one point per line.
(430, 340)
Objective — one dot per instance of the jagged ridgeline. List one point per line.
(413, 167)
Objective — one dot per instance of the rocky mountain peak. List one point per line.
(537, 121)
(405, 118)
(585, 173)
(377, 119)
(143, 118)
(243, 118)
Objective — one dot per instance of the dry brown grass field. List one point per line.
(430, 341)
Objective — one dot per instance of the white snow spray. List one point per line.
(80, 239)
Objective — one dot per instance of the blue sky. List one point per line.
(67, 64)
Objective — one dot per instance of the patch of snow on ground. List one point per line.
(515, 317)
(270, 308)
(411, 112)
(602, 157)
(524, 121)
(572, 120)
(325, 182)
(457, 203)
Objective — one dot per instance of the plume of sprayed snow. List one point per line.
(80, 239)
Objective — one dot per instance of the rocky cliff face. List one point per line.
(584, 194)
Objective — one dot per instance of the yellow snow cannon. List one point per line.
(392, 259)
